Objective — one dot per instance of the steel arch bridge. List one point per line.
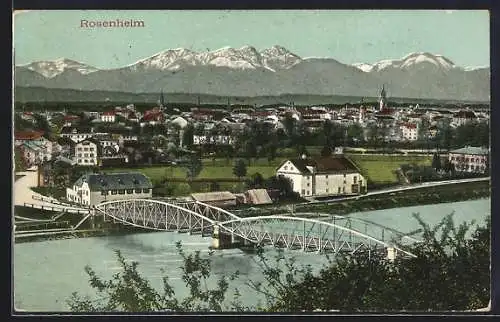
(338, 234)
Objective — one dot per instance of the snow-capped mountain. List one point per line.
(273, 71)
(246, 57)
(53, 68)
(413, 60)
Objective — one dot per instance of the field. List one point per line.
(212, 169)
(380, 169)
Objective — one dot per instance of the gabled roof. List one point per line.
(115, 181)
(75, 129)
(27, 135)
(213, 196)
(471, 150)
(324, 164)
(465, 114)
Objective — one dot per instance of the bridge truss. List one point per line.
(338, 234)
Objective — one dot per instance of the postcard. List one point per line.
(251, 161)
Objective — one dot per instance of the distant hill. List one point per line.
(40, 94)
(274, 71)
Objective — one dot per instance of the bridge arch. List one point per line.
(155, 215)
(304, 233)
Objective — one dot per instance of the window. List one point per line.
(339, 190)
(130, 191)
(121, 192)
(79, 160)
(85, 160)
(145, 190)
(91, 149)
(91, 155)
(303, 191)
(344, 175)
(326, 177)
(85, 149)
(326, 190)
(355, 179)
(286, 167)
(307, 192)
(137, 190)
(104, 192)
(114, 192)
(86, 155)
(308, 184)
(79, 155)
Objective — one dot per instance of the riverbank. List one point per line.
(97, 227)
(48, 221)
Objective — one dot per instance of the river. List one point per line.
(46, 273)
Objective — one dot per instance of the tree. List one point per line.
(451, 271)
(326, 151)
(256, 181)
(194, 166)
(214, 186)
(128, 291)
(240, 168)
(436, 162)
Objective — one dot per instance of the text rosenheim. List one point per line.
(117, 23)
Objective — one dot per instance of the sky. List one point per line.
(351, 36)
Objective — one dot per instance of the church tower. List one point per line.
(382, 99)
(162, 100)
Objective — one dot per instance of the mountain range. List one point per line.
(272, 71)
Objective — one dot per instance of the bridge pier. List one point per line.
(221, 240)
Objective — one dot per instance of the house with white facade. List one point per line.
(108, 117)
(409, 131)
(463, 117)
(87, 152)
(325, 176)
(94, 188)
(77, 134)
(470, 159)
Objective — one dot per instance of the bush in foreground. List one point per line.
(451, 272)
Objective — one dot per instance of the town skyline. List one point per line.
(349, 36)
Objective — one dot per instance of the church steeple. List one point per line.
(382, 98)
(162, 99)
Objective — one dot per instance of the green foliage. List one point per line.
(436, 162)
(128, 291)
(450, 272)
(194, 167)
(240, 168)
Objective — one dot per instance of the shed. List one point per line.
(216, 198)
(258, 197)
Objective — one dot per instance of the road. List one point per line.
(402, 188)
(24, 195)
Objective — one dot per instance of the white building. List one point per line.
(86, 152)
(470, 159)
(108, 117)
(77, 134)
(409, 131)
(323, 176)
(213, 139)
(93, 189)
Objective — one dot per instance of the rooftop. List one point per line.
(471, 150)
(213, 196)
(324, 164)
(115, 181)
